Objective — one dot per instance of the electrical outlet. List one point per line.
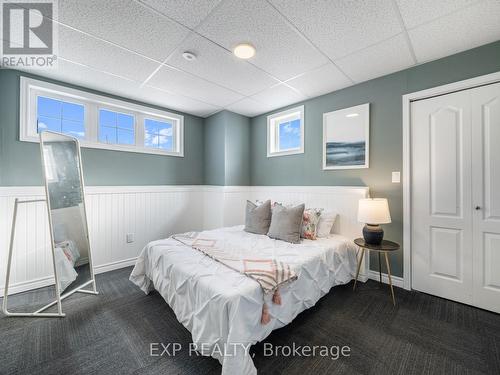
(130, 237)
(396, 177)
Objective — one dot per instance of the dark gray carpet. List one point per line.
(111, 334)
(83, 275)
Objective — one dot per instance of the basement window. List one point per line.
(97, 121)
(116, 127)
(285, 132)
(60, 116)
(159, 134)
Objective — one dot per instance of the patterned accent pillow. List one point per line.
(310, 223)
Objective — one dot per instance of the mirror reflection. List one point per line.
(61, 161)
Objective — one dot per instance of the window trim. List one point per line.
(273, 122)
(31, 88)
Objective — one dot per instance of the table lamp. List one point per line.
(373, 212)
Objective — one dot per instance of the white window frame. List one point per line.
(163, 119)
(273, 122)
(30, 89)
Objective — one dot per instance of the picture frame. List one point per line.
(346, 138)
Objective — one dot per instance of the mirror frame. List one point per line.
(79, 289)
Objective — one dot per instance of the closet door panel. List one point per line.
(486, 195)
(442, 197)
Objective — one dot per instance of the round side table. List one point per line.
(385, 247)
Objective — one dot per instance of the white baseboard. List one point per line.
(46, 281)
(24, 286)
(114, 265)
(396, 280)
(49, 280)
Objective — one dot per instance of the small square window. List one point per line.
(60, 116)
(116, 128)
(159, 134)
(285, 132)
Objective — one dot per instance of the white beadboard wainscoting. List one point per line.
(149, 213)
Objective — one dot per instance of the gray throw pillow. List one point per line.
(258, 218)
(286, 223)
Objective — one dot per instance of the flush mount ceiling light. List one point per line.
(244, 51)
(352, 115)
(189, 56)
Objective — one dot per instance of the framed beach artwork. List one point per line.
(346, 138)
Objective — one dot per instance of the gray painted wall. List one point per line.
(215, 138)
(227, 149)
(237, 144)
(20, 161)
(230, 149)
(384, 94)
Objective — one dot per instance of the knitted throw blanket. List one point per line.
(269, 273)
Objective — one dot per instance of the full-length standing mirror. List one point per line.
(67, 215)
(69, 235)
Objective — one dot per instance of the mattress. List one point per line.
(221, 307)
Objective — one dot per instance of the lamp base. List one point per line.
(373, 234)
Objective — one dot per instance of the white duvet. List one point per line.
(221, 307)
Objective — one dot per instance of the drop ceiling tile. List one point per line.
(462, 30)
(217, 65)
(281, 50)
(183, 11)
(378, 60)
(77, 74)
(249, 107)
(177, 102)
(186, 84)
(341, 27)
(126, 23)
(278, 96)
(86, 77)
(418, 12)
(320, 81)
(84, 49)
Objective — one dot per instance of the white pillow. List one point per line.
(325, 225)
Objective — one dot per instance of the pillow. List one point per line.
(310, 222)
(286, 223)
(325, 225)
(258, 218)
(258, 202)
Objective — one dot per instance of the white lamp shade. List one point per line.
(374, 211)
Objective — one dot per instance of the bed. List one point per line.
(222, 308)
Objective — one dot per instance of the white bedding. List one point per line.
(221, 307)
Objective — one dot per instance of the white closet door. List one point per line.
(486, 195)
(442, 196)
